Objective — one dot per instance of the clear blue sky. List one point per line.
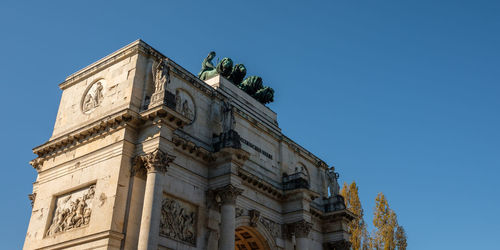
(401, 96)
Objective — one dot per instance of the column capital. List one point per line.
(155, 161)
(300, 229)
(227, 194)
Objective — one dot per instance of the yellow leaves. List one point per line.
(388, 234)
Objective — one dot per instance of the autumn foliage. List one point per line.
(388, 235)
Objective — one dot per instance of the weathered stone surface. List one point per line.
(141, 147)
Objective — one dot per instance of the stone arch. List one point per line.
(259, 231)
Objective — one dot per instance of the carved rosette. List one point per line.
(227, 194)
(300, 229)
(156, 161)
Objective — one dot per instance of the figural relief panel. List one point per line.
(93, 96)
(178, 220)
(72, 210)
(184, 104)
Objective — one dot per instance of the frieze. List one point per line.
(72, 211)
(178, 220)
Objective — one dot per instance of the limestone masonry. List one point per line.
(145, 155)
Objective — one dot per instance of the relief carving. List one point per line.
(178, 220)
(72, 210)
(184, 104)
(239, 211)
(93, 97)
(254, 217)
(273, 227)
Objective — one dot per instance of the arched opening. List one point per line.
(247, 238)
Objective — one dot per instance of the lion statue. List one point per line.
(264, 95)
(223, 68)
(237, 74)
(254, 87)
(251, 85)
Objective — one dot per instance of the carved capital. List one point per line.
(227, 194)
(300, 229)
(155, 161)
(36, 163)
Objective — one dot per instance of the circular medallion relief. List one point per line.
(93, 96)
(184, 104)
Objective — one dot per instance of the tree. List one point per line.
(401, 238)
(385, 222)
(357, 226)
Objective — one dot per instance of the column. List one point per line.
(226, 196)
(155, 164)
(301, 230)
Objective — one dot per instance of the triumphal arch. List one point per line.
(146, 155)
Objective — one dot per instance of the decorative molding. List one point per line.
(300, 229)
(254, 217)
(178, 220)
(32, 198)
(239, 212)
(37, 163)
(272, 227)
(72, 211)
(152, 162)
(69, 140)
(166, 115)
(227, 194)
(262, 185)
(190, 148)
(93, 68)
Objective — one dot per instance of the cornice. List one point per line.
(105, 62)
(106, 124)
(236, 155)
(264, 186)
(338, 215)
(165, 115)
(301, 193)
(190, 148)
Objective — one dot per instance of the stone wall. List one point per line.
(146, 155)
